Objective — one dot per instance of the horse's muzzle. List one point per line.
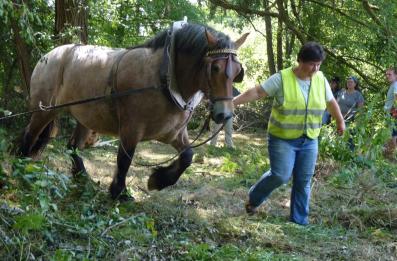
(221, 111)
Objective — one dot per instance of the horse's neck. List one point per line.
(189, 78)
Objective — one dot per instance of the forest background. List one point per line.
(355, 207)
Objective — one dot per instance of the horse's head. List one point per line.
(223, 69)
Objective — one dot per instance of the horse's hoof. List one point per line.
(124, 197)
(79, 171)
(80, 176)
(119, 193)
(158, 181)
(152, 183)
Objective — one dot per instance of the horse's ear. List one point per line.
(212, 40)
(241, 40)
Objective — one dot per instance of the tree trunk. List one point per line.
(23, 54)
(269, 40)
(279, 39)
(290, 43)
(70, 19)
(279, 45)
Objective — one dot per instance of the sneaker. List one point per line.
(251, 210)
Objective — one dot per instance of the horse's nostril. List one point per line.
(221, 117)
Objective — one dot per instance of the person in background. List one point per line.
(228, 128)
(350, 100)
(335, 87)
(391, 108)
(300, 95)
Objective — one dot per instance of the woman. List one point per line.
(390, 106)
(300, 95)
(335, 86)
(350, 99)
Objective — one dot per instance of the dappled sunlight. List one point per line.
(154, 150)
(208, 200)
(216, 162)
(252, 138)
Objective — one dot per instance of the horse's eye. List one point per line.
(215, 68)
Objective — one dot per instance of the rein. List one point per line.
(97, 98)
(191, 146)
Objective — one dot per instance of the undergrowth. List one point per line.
(46, 214)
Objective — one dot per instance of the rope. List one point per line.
(97, 98)
(191, 146)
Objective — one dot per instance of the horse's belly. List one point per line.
(97, 117)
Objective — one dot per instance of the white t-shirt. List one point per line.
(273, 86)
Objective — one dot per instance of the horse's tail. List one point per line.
(23, 142)
(44, 137)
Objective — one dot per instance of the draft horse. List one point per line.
(170, 73)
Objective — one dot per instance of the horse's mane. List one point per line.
(190, 39)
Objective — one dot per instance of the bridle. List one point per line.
(222, 54)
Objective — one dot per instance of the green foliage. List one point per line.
(368, 133)
(345, 178)
(29, 222)
(3, 155)
(127, 23)
(47, 215)
(242, 165)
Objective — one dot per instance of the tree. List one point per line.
(22, 47)
(70, 20)
(357, 34)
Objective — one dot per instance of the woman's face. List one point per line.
(351, 85)
(391, 76)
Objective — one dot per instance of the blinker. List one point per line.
(240, 76)
(229, 68)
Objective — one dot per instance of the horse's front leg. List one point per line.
(124, 158)
(166, 176)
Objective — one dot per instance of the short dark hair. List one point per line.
(311, 52)
(335, 79)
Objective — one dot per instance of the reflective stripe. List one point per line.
(300, 112)
(296, 116)
(292, 126)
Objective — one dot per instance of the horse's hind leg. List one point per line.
(37, 134)
(77, 141)
(163, 177)
(124, 158)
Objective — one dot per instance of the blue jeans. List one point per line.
(297, 158)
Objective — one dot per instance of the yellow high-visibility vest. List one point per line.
(294, 118)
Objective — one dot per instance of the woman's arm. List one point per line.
(333, 108)
(249, 95)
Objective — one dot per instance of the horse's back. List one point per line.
(73, 72)
(44, 77)
(77, 72)
(65, 67)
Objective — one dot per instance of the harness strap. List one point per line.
(97, 98)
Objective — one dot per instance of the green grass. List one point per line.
(45, 213)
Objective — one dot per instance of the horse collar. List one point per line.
(168, 77)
